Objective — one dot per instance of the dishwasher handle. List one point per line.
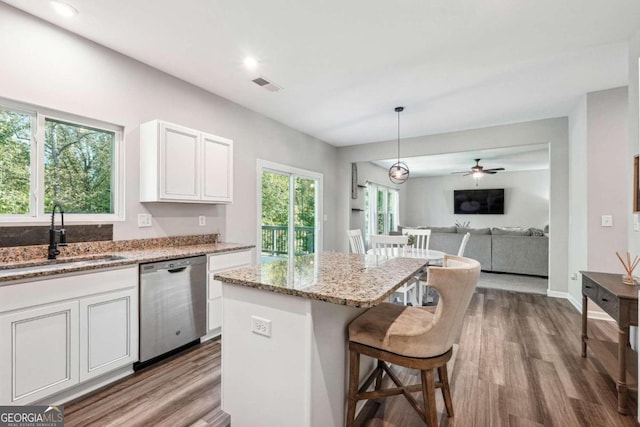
(177, 270)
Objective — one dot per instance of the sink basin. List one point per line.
(50, 263)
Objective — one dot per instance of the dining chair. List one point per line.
(394, 246)
(356, 242)
(421, 241)
(415, 338)
(463, 244)
(421, 237)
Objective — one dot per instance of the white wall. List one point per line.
(47, 66)
(578, 238)
(608, 164)
(430, 200)
(552, 131)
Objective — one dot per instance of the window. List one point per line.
(381, 206)
(48, 157)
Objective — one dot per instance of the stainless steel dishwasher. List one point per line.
(173, 305)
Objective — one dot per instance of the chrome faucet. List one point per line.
(53, 246)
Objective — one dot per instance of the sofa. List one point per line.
(513, 250)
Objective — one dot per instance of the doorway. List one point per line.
(289, 206)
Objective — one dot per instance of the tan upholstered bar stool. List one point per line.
(414, 338)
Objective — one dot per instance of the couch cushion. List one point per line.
(461, 230)
(520, 254)
(511, 231)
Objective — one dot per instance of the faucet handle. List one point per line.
(63, 237)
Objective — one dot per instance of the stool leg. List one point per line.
(446, 391)
(429, 396)
(354, 374)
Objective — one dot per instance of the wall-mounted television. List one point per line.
(472, 202)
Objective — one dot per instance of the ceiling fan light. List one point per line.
(477, 175)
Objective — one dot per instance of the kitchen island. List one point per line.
(284, 357)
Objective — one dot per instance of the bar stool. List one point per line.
(414, 338)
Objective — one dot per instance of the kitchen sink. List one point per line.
(49, 263)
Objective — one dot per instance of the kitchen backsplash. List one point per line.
(39, 234)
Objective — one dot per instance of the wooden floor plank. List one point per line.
(516, 363)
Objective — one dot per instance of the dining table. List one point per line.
(432, 255)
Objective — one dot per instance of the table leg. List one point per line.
(621, 382)
(584, 326)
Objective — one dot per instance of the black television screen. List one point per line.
(470, 202)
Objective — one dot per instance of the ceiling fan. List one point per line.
(477, 171)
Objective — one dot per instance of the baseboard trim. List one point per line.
(557, 294)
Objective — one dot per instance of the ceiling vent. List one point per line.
(266, 84)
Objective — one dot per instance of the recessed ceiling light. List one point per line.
(64, 9)
(250, 62)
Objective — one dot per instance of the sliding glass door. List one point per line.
(288, 211)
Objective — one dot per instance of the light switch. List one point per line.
(636, 222)
(607, 220)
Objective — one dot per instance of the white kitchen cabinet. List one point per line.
(215, 264)
(108, 332)
(39, 352)
(60, 333)
(179, 164)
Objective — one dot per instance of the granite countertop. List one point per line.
(346, 279)
(14, 272)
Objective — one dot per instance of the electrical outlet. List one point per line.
(636, 222)
(144, 220)
(260, 326)
(202, 220)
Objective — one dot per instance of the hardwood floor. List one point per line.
(517, 364)
(183, 390)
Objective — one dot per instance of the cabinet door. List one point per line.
(216, 263)
(180, 173)
(217, 169)
(108, 332)
(39, 352)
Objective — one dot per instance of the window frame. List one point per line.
(372, 212)
(36, 214)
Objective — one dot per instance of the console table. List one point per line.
(619, 301)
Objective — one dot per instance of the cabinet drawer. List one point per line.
(590, 290)
(220, 262)
(609, 303)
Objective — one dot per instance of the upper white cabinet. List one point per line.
(178, 164)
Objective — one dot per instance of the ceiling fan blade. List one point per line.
(465, 172)
(490, 172)
(494, 169)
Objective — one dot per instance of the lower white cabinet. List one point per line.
(39, 352)
(216, 263)
(61, 332)
(108, 332)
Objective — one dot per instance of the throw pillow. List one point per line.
(536, 232)
(510, 231)
(461, 230)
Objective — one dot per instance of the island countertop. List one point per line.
(346, 279)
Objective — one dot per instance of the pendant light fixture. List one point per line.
(399, 171)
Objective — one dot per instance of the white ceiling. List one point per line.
(513, 159)
(344, 65)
